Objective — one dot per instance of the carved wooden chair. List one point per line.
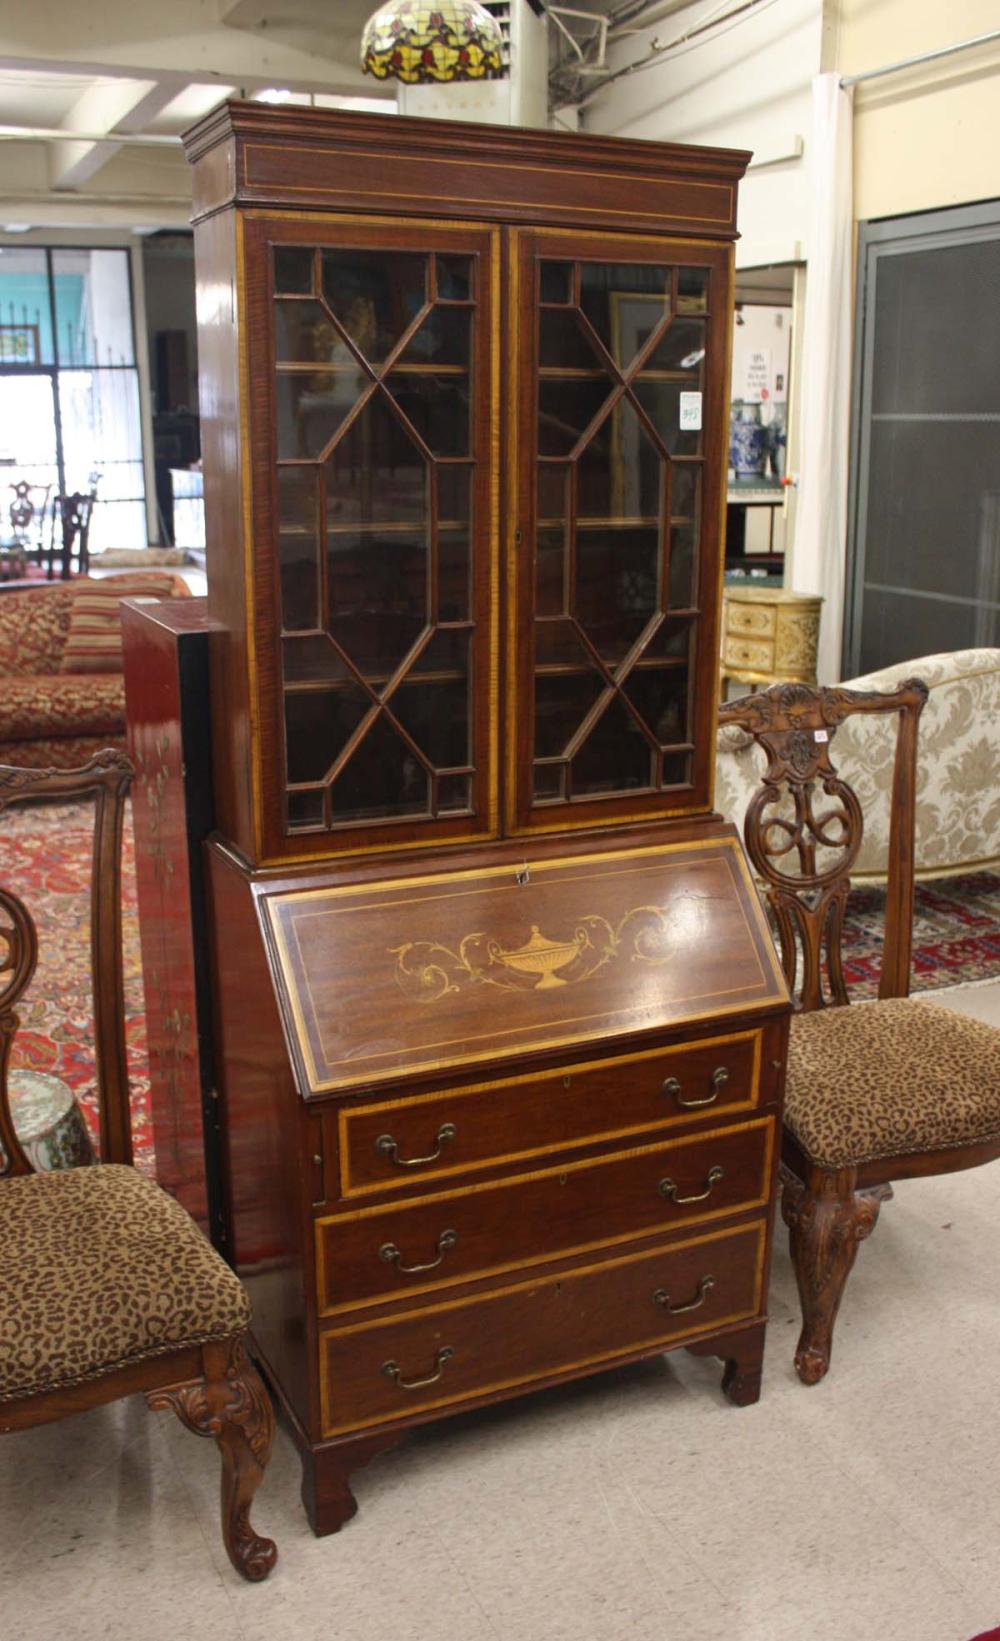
(70, 535)
(878, 1091)
(107, 1287)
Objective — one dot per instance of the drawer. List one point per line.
(378, 1371)
(756, 620)
(393, 1143)
(379, 1254)
(749, 652)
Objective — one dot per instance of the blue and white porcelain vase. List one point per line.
(747, 440)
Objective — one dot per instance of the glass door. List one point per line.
(924, 548)
(380, 530)
(615, 564)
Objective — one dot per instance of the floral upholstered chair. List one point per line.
(107, 1287)
(877, 1091)
(958, 767)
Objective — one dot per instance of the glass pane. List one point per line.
(378, 595)
(25, 310)
(556, 281)
(454, 793)
(454, 482)
(660, 694)
(303, 334)
(311, 409)
(682, 566)
(662, 403)
(617, 586)
(672, 638)
(314, 659)
(305, 809)
(435, 709)
(549, 782)
(566, 409)
(298, 547)
(616, 757)
(692, 290)
(375, 472)
(677, 769)
(93, 308)
(685, 488)
(549, 572)
(318, 725)
(27, 456)
(620, 473)
(558, 644)
(945, 297)
(898, 625)
(933, 483)
(562, 701)
(381, 779)
(553, 499)
(681, 348)
(442, 339)
(562, 342)
(624, 303)
(454, 278)
(375, 295)
(437, 407)
(293, 268)
(102, 447)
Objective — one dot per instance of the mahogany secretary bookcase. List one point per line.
(500, 1030)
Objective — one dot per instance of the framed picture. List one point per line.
(19, 345)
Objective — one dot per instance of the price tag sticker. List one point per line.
(690, 412)
(820, 735)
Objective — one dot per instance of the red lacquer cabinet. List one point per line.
(499, 1027)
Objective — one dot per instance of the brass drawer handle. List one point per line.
(668, 1189)
(386, 1146)
(662, 1298)
(390, 1254)
(720, 1077)
(391, 1371)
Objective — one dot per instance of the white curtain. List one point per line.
(818, 560)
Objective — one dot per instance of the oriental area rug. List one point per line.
(45, 857)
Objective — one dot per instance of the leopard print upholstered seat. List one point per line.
(99, 1268)
(890, 1078)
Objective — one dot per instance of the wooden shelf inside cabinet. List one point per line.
(481, 948)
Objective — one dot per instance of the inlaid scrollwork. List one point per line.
(429, 970)
(804, 825)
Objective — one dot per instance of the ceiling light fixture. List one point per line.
(413, 41)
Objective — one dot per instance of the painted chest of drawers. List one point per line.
(769, 635)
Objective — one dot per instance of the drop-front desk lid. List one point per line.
(439, 973)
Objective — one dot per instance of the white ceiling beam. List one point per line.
(123, 105)
(148, 39)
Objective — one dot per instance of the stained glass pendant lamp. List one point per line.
(415, 42)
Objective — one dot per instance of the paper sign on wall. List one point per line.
(690, 412)
(757, 380)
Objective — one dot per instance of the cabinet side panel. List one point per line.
(166, 916)
(261, 1123)
(220, 352)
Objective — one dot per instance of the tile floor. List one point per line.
(636, 1506)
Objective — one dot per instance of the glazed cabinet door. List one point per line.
(616, 496)
(372, 355)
